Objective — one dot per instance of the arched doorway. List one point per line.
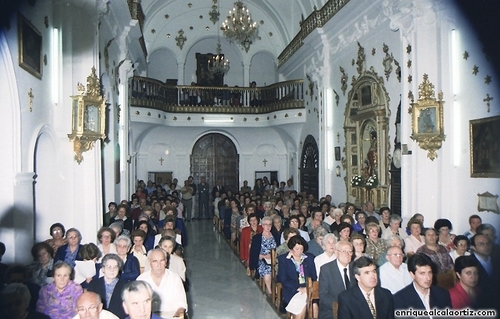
(309, 170)
(214, 157)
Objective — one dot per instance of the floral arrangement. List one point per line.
(356, 180)
(371, 181)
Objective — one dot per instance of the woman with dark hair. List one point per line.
(122, 215)
(344, 230)
(69, 252)
(443, 227)
(464, 293)
(359, 227)
(57, 232)
(40, 271)
(150, 237)
(246, 236)
(90, 254)
(437, 253)
(294, 268)
(58, 299)
(109, 286)
(138, 250)
(350, 209)
(463, 245)
(106, 237)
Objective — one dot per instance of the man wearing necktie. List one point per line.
(335, 277)
(366, 299)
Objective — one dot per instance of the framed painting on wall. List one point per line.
(30, 47)
(485, 147)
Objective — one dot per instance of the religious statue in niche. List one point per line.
(371, 143)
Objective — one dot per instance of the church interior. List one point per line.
(394, 102)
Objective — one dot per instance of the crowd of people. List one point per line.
(366, 263)
(138, 254)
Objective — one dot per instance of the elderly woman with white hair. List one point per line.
(260, 250)
(315, 244)
(329, 241)
(110, 286)
(70, 252)
(130, 269)
(394, 228)
(58, 299)
(14, 303)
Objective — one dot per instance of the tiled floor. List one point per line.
(220, 288)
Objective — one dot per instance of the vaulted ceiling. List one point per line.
(278, 21)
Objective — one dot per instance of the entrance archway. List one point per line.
(214, 157)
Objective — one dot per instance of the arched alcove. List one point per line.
(366, 134)
(309, 168)
(46, 206)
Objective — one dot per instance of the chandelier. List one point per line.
(217, 65)
(239, 27)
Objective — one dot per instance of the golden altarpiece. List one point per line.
(367, 158)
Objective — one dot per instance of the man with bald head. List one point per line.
(169, 295)
(89, 306)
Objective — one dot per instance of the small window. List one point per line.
(366, 95)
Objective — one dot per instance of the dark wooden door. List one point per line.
(309, 170)
(214, 157)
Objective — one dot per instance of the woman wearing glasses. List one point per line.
(260, 252)
(110, 285)
(70, 252)
(57, 240)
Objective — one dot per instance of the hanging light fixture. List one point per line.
(217, 65)
(239, 27)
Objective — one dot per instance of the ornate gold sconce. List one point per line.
(89, 117)
(427, 119)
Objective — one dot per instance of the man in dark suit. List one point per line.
(333, 279)
(489, 278)
(366, 299)
(218, 188)
(421, 294)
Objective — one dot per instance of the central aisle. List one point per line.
(220, 288)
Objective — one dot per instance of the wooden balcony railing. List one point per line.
(154, 94)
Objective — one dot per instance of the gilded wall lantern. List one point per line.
(427, 119)
(88, 116)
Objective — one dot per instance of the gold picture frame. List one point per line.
(30, 47)
(485, 147)
(427, 119)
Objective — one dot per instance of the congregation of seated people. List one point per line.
(141, 241)
(310, 257)
(356, 254)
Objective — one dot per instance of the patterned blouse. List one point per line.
(375, 249)
(55, 246)
(440, 257)
(59, 305)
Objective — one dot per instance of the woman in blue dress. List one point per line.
(260, 252)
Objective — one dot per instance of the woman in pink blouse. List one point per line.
(58, 299)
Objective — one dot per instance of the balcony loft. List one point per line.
(153, 94)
